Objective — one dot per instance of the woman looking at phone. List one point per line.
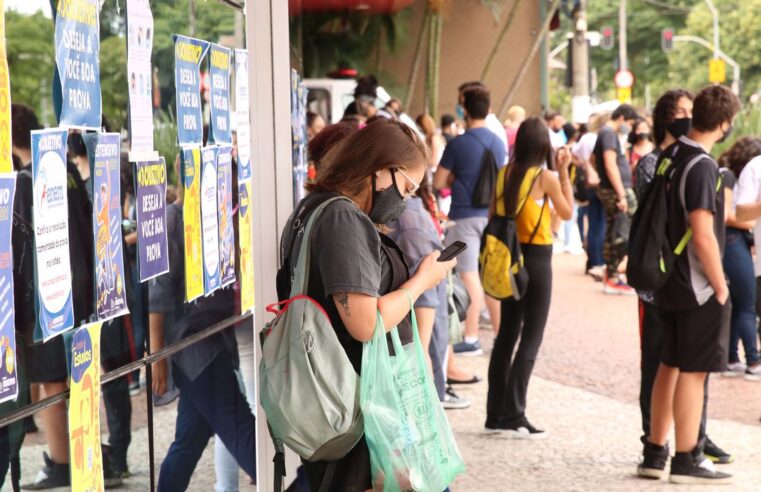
(523, 189)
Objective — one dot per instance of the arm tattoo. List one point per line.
(343, 299)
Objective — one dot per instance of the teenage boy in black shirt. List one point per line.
(694, 303)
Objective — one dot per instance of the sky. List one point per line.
(28, 6)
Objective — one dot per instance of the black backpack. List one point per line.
(487, 178)
(651, 255)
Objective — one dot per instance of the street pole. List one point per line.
(715, 14)
(731, 61)
(192, 18)
(623, 63)
(580, 91)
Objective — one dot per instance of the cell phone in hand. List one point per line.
(452, 250)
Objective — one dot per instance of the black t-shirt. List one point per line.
(694, 185)
(607, 139)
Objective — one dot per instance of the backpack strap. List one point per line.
(538, 222)
(682, 245)
(528, 195)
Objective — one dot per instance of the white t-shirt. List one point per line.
(583, 149)
(748, 192)
(493, 124)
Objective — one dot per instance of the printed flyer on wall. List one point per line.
(140, 76)
(225, 208)
(219, 69)
(105, 164)
(191, 218)
(209, 226)
(77, 54)
(84, 410)
(8, 375)
(55, 313)
(188, 53)
(245, 219)
(152, 248)
(6, 160)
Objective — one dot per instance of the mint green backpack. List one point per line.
(308, 388)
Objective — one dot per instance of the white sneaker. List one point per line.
(452, 401)
(734, 369)
(753, 372)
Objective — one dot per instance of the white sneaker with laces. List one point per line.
(734, 369)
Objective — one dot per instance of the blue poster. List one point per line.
(219, 69)
(55, 312)
(225, 203)
(209, 226)
(152, 248)
(8, 375)
(188, 53)
(105, 171)
(77, 48)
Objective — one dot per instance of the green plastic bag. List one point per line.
(411, 443)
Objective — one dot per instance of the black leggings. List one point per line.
(524, 319)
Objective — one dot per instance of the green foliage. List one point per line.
(165, 141)
(113, 80)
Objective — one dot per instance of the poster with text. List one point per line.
(6, 161)
(209, 226)
(140, 77)
(225, 215)
(55, 313)
(86, 462)
(245, 219)
(8, 376)
(191, 218)
(188, 53)
(152, 247)
(105, 174)
(77, 48)
(219, 69)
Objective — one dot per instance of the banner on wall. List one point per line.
(55, 313)
(140, 77)
(77, 43)
(6, 160)
(225, 215)
(219, 69)
(191, 218)
(209, 226)
(8, 375)
(245, 222)
(84, 410)
(105, 171)
(188, 53)
(152, 248)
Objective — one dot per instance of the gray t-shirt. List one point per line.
(607, 139)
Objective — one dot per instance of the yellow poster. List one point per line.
(84, 411)
(6, 161)
(246, 239)
(191, 217)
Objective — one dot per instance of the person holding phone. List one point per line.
(524, 188)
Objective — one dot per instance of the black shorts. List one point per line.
(47, 362)
(697, 340)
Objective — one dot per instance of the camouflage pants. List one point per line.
(614, 249)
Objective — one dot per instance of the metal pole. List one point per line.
(623, 62)
(192, 18)
(580, 91)
(544, 71)
(715, 14)
(720, 54)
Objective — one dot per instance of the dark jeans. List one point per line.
(210, 404)
(138, 315)
(524, 319)
(596, 232)
(582, 212)
(118, 415)
(651, 335)
(738, 265)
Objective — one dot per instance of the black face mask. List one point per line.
(679, 128)
(388, 204)
(635, 138)
(726, 134)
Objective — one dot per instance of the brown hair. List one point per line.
(380, 145)
(713, 106)
(427, 126)
(327, 138)
(736, 158)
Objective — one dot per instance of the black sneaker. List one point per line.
(695, 468)
(51, 476)
(522, 430)
(654, 460)
(716, 454)
(112, 478)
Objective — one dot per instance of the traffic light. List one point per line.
(667, 40)
(608, 40)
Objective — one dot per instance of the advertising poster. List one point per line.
(84, 410)
(188, 53)
(6, 161)
(219, 69)
(8, 375)
(245, 222)
(209, 226)
(298, 136)
(225, 216)
(140, 77)
(55, 313)
(77, 51)
(152, 247)
(191, 218)
(105, 164)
